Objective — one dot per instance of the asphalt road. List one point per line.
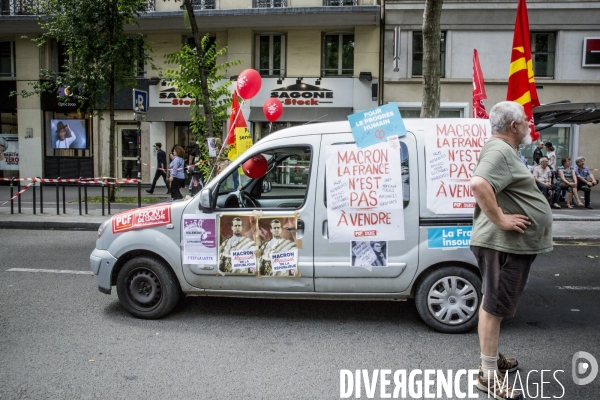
(60, 338)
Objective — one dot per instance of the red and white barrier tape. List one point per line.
(83, 180)
(17, 195)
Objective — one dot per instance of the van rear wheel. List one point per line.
(147, 288)
(448, 299)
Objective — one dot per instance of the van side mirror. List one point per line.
(266, 187)
(205, 199)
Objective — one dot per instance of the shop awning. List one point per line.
(175, 114)
(302, 114)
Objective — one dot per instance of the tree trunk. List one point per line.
(431, 59)
(203, 73)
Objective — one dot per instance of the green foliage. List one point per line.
(193, 66)
(97, 52)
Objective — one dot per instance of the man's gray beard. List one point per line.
(527, 139)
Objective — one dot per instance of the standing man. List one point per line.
(537, 153)
(161, 167)
(585, 179)
(512, 223)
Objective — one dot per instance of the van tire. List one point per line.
(147, 288)
(448, 299)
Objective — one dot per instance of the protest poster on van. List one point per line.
(364, 192)
(278, 251)
(199, 239)
(237, 244)
(9, 152)
(452, 148)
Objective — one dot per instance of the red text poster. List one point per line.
(141, 218)
(452, 148)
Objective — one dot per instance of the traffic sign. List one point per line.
(140, 101)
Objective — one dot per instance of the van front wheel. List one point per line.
(147, 288)
(448, 299)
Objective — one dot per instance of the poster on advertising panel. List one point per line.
(278, 252)
(199, 239)
(452, 148)
(364, 192)
(237, 247)
(374, 126)
(9, 152)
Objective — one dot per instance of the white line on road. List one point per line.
(580, 287)
(51, 271)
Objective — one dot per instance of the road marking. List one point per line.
(580, 287)
(51, 271)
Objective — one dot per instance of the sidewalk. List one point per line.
(569, 224)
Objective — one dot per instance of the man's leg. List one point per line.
(489, 334)
(543, 189)
(156, 175)
(164, 176)
(556, 195)
(586, 192)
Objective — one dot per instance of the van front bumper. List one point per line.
(102, 263)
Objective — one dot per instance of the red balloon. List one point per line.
(273, 109)
(255, 167)
(248, 83)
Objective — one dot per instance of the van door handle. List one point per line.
(299, 229)
(325, 231)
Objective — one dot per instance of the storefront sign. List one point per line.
(376, 125)
(330, 93)
(9, 152)
(452, 148)
(364, 193)
(166, 96)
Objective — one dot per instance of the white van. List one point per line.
(150, 255)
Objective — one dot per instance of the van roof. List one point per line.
(311, 129)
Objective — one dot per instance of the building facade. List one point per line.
(563, 36)
(310, 53)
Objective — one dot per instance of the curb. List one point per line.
(576, 239)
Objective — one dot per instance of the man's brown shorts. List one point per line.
(504, 276)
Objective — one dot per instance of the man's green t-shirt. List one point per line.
(516, 193)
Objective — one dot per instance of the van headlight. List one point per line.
(103, 227)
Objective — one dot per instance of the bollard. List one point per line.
(139, 192)
(64, 201)
(103, 199)
(12, 201)
(86, 202)
(79, 194)
(57, 196)
(33, 197)
(41, 196)
(19, 198)
(108, 197)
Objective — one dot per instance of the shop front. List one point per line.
(9, 139)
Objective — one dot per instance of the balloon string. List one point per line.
(270, 126)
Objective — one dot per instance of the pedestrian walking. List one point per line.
(177, 177)
(161, 168)
(512, 223)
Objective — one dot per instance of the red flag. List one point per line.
(236, 119)
(521, 82)
(478, 89)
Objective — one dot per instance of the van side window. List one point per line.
(405, 175)
(284, 186)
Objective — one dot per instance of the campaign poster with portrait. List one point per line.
(452, 148)
(365, 192)
(278, 253)
(9, 152)
(199, 239)
(369, 254)
(237, 245)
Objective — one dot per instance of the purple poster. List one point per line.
(199, 239)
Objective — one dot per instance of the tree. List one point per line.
(431, 58)
(200, 77)
(98, 54)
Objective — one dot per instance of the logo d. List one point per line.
(581, 367)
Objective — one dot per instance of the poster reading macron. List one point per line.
(364, 192)
(452, 148)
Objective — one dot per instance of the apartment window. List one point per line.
(140, 62)
(7, 59)
(417, 54)
(60, 57)
(270, 57)
(339, 3)
(447, 109)
(268, 3)
(338, 54)
(203, 4)
(543, 45)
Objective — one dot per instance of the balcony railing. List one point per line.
(339, 3)
(151, 6)
(20, 7)
(203, 4)
(268, 3)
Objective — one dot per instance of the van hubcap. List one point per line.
(452, 300)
